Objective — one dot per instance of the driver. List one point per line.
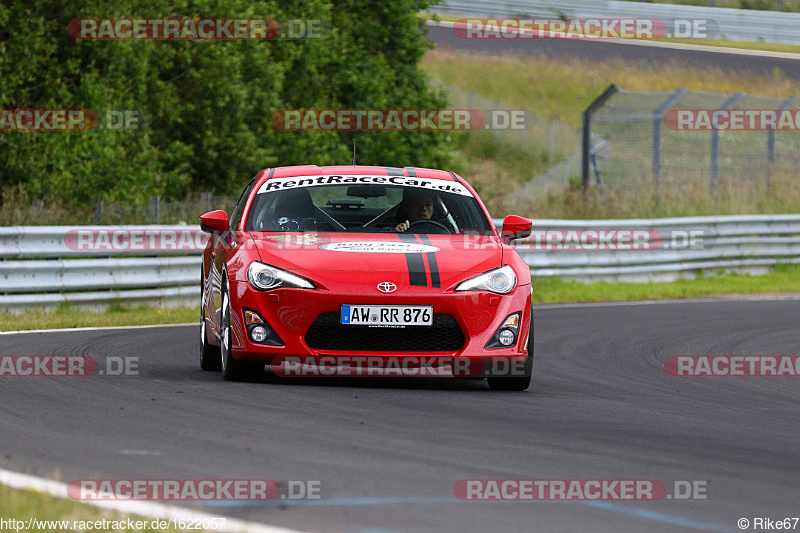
(417, 204)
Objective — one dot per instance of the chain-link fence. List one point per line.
(694, 143)
(541, 135)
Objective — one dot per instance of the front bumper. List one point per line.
(291, 312)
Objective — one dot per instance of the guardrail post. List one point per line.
(587, 131)
(771, 138)
(658, 119)
(729, 103)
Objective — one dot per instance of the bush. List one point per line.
(208, 104)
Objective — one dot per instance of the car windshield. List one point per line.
(366, 205)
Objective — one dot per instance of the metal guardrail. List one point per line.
(734, 24)
(29, 279)
(25, 242)
(747, 243)
(44, 266)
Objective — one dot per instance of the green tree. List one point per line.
(208, 103)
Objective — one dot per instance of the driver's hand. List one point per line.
(402, 226)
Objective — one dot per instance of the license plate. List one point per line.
(387, 315)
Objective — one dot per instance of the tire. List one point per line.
(516, 383)
(232, 369)
(209, 355)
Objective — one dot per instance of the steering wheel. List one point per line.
(288, 224)
(430, 222)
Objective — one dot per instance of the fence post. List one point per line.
(471, 106)
(729, 103)
(496, 130)
(551, 140)
(771, 138)
(658, 119)
(587, 131)
(98, 212)
(205, 197)
(155, 209)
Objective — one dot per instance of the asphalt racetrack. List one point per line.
(601, 406)
(596, 51)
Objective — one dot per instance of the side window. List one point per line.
(236, 215)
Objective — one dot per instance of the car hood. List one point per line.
(421, 256)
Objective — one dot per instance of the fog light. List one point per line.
(258, 333)
(258, 330)
(506, 337)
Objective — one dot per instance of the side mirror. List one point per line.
(515, 227)
(214, 222)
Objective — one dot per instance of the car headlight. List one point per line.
(265, 277)
(500, 281)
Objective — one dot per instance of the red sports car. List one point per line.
(364, 265)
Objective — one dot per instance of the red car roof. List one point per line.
(358, 170)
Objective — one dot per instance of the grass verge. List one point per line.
(781, 279)
(562, 88)
(22, 505)
(67, 317)
(494, 168)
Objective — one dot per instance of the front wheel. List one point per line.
(232, 369)
(516, 383)
(209, 355)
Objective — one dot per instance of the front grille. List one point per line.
(326, 333)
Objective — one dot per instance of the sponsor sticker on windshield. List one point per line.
(374, 247)
(436, 185)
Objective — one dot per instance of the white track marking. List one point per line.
(721, 298)
(732, 298)
(98, 328)
(146, 509)
(138, 452)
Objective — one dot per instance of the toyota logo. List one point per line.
(387, 287)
